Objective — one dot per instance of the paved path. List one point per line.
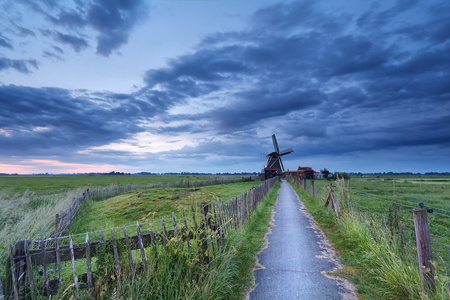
(292, 267)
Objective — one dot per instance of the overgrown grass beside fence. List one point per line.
(377, 242)
(102, 264)
(31, 213)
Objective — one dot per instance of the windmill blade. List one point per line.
(281, 163)
(275, 144)
(286, 151)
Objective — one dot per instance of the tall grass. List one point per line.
(31, 216)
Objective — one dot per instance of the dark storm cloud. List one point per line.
(207, 65)
(20, 65)
(53, 121)
(113, 21)
(262, 104)
(329, 77)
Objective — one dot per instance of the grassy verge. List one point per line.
(376, 260)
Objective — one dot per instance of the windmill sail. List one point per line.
(275, 144)
(286, 151)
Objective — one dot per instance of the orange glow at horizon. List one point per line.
(32, 166)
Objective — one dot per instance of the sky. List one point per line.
(201, 85)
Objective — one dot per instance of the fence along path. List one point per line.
(413, 232)
(46, 266)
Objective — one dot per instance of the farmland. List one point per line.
(376, 195)
(44, 185)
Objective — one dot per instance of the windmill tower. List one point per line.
(274, 166)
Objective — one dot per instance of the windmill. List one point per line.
(274, 166)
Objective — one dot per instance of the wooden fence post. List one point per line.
(331, 199)
(204, 257)
(116, 259)
(29, 271)
(130, 254)
(188, 240)
(193, 218)
(88, 263)
(13, 272)
(20, 263)
(44, 265)
(424, 255)
(164, 234)
(74, 271)
(335, 202)
(313, 191)
(174, 222)
(141, 246)
(58, 262)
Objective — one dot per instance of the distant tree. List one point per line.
(325, 172)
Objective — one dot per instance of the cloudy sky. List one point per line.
(201, 85)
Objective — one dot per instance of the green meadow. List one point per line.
(49, 184)
(151, 205)
(29, 203)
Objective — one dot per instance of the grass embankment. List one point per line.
(150, 204)
(376, 259)
(177, 274)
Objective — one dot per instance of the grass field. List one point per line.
(44, 185)
(28, 204)
(376, 195)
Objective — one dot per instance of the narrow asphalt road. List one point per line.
(295, 257)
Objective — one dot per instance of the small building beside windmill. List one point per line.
(302, 172)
